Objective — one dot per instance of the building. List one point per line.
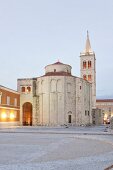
(97, 116)
(58, 97)
(9, 107)
(88, 68)
(106, 105)
(111, 123)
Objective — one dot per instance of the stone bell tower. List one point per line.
(88, 68)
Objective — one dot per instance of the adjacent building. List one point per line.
(106, 105)
(9, 107)
(97, 117)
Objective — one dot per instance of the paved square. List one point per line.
(55, 148)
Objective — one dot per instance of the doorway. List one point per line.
(69, 119)
(27, 114)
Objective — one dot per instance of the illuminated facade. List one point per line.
(9, 107)
(106, 105)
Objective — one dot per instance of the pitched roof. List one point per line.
(104, 100)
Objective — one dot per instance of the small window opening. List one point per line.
(28, 89)
(23, 89)
(84, 64)
(84, 77)
(89, 64)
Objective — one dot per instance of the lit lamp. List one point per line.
(12, 116)
(3, 115)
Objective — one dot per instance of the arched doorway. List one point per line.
(27, 114)
(69, 117)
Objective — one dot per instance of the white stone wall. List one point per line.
(90, 71)
(58, 68)
(83, 102)
(50, 90)
(70, 99)
(59, 96)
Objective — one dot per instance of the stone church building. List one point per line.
(58, 97)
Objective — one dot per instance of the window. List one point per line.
(89, 64)
(23, 89)
(109, 109)
(15, 101)
(28, 89)
(13, 115)
(84, 77)
(85, 113)
(8, 100)
(89, 78)
(93, 115)
(0, 97)
(84, 64)
(80, 87)
(54, 70)
(88, 112)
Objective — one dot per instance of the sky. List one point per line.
(35, 33)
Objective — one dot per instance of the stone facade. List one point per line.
(57, 98)
(111, 123)
(88, 68)
(97, 116)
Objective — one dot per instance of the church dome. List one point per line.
(58, 68)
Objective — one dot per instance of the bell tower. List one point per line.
(88, 68)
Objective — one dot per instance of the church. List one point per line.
(58, 97)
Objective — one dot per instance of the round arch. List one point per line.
(27, 114)
(69, 117)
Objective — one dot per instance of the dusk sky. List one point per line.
(35, 33)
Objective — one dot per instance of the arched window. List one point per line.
(23, 89)
(84, 77)
(84, 64)
(89, 77)
(28, 89)
(89, 64)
